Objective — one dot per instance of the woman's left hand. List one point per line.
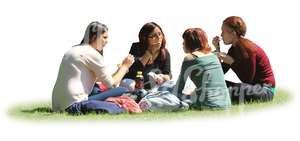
(226, 58)
(159, 79)
(162, 78)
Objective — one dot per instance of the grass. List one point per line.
(41, 111)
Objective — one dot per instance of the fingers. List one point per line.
(217, 38)
(225, 58)
(128, 61)
(159, 79)
(130, 58)
(216, 41)
(220, 55)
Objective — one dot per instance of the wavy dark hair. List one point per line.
(144, 33)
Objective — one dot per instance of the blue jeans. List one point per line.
(84, 107)
(109, 93)
(96, 102)
(243, 92)
(167, 86)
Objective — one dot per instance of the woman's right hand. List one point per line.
(123, 69)
(128, 61)
(216, 41)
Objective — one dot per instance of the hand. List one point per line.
(225, 58)
(216, 42)
(128, 61)
(159, 79)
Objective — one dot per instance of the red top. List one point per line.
(254, 69)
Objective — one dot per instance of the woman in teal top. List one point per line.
(205, 71)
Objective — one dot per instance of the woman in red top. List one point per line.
(248, 61)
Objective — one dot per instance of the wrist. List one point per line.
(230, 62)
(216, 45)
(124, 68)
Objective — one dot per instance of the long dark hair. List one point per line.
(93, 31)
(238, 25)
(144, 33)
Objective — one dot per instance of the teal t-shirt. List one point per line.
(207, 74)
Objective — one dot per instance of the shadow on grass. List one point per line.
(38, 110)
(42, 111)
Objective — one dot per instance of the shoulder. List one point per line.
(136, 49)
(188, 57)
(249, 45)
(165, 53)
(89, 53)
(135, 45)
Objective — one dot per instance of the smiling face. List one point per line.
(228, 35)
(155, 39)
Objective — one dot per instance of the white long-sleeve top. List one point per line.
(80, 67)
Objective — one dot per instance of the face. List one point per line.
(102, 41)
(227, 35)
(155, 38)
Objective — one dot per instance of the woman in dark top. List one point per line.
(248, 61)
(151, 55)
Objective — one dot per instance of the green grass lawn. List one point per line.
(41, 111)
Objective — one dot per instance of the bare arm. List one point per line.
(122, 69)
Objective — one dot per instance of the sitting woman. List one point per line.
(248, 61)
(81, 66)
(205, 71)
(150, 55)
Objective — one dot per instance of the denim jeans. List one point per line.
(96, 102)
(243, 92)
(101, 96)
(84, 107)
(167, 86)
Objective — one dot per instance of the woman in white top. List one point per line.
(80, 68)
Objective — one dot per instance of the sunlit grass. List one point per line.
(41, 111)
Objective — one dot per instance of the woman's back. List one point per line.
(252, 68)
(207, 74)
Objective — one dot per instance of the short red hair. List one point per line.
(196, 39)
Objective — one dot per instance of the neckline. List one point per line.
(196, 56)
